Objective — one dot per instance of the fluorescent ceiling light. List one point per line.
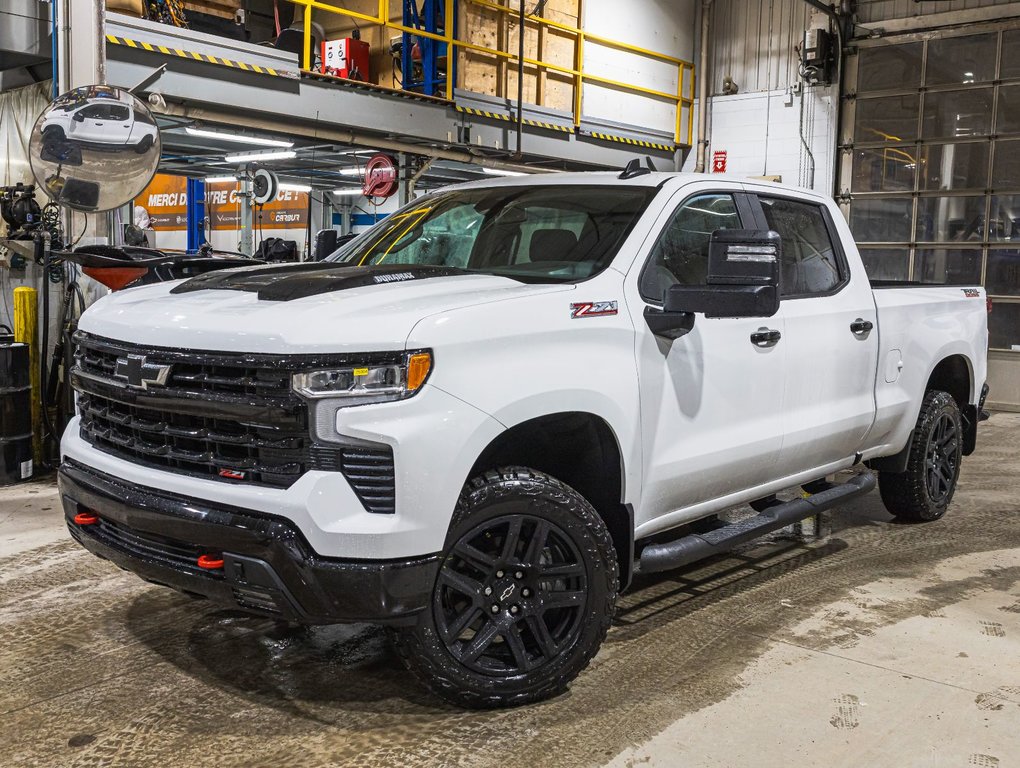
(349, 172)
(257, 141)
(214, 179)
(295, 187)
(501, 172)
(347, 191)
(246, 157)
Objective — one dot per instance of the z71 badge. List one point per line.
(592, 309)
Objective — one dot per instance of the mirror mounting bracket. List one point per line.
(149, 79)
(668, 325)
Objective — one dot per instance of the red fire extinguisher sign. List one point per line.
(719, 161)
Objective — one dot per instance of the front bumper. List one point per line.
(268, 567)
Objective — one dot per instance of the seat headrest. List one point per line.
(552, 245)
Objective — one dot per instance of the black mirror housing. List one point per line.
(743, 277)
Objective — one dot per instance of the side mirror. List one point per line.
(79, 117)
(743, 277)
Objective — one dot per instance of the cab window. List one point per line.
(680, 255)
(810, 266)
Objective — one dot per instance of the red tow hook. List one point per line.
(210, 562)
(86, 518)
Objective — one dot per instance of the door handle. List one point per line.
(861, 327)
(765, 337)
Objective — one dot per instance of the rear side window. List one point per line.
(680, 255)
(810, 264)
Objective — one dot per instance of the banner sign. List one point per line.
(166, 201)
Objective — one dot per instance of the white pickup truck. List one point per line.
(479, 418)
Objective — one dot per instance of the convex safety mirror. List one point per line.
(94, 148)
(743, 277)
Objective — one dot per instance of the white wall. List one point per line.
(761, 135)
(663, 26)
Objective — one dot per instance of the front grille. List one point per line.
(221, 416)
(196, 445)
(218, 374)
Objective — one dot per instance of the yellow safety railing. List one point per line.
(680, 99)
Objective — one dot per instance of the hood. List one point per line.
(290, 310)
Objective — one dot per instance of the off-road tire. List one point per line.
(542, 503)
(143, 146)
(908, 495)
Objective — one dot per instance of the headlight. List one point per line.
(360, 384)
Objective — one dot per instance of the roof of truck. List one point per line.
(653, 179)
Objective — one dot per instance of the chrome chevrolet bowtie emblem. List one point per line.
(507, 592)
(138, 373)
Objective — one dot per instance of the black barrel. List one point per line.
(15, 411)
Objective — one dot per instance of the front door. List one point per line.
(711, 416)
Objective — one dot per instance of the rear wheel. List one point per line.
(524, 597)
(143, 146)
(923, 492)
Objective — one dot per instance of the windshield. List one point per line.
(551, 233)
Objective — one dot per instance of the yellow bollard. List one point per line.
(25, 321)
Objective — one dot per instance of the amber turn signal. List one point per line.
(418, 367)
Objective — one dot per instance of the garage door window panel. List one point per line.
(885, 169)
(890, 67)
(887, 263)
(968, 59)
(811, 265)
(950, 219)
(1004, 214)
(948, 266)
(1006, 168)
(890, 119)
(1010, 66)
(881, 219)
(1004, 326)
(1007, 116)
(957, 114)
(1003, 273)
(954, 166)
(680, 255)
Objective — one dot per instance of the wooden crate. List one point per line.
(224, 9)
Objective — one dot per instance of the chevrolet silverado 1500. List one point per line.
(479, 418)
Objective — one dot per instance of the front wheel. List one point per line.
(524, 597)
(924, 490)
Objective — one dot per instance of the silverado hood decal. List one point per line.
(285, 282)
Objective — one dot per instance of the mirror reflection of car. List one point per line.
(99, 123)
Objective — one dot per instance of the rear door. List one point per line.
(830, 336)
(119, 125)
(711, 421)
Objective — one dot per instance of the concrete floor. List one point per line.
(878, 645)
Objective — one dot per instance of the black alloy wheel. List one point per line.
(524, 596)
(923, 491)
(943, 458)
(511, 595)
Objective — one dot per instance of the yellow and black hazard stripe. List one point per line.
(195, 56)
(632, 142)
(510, 119)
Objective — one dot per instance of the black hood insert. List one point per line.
(286, 282)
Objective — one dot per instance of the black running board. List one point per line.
(696, 546)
